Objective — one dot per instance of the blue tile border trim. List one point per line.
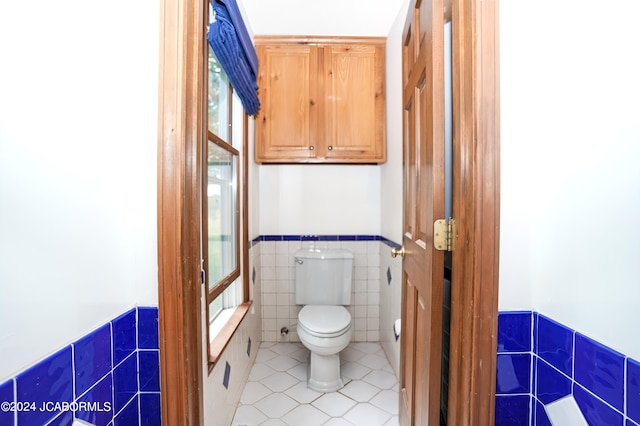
(604, 382)
(390, 243)
(108, 376)
(315, 237)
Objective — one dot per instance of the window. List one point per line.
(218, 99)
(221, 214)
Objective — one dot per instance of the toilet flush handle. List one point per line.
(297, 259)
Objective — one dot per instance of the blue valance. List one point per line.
(230, 41)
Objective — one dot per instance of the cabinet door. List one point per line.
(354, 113)
(289, 101)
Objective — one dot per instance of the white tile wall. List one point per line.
(277, 277)
(391, 294)
(220, 402)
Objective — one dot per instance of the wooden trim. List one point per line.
(212, 137)
(217, 347)
(219, 344)
(226, 281)
(245, 243)
(181, 132)
(476, 198)
(222, 286)
(318, 40)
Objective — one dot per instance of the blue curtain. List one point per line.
(230, 41)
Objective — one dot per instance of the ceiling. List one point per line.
(321, 17)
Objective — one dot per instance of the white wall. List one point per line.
(391, 171)
(253, 186)
(329, 17)
(570, 183)
(319, 199)
(253, 168)
(391, 194)
(78, 119)
(314, 199)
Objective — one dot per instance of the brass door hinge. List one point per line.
(444, 234)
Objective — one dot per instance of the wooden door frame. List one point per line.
(476, 207)
(476, 199)
(180, 138)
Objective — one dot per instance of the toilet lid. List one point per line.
(324, 319)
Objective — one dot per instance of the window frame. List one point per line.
(226, 281)
(217, 345)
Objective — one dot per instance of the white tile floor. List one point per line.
(277, 393)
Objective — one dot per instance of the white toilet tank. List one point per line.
(323, 277)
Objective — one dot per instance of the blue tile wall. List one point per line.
(633, 390)
(109, 377)
(125, 383)
(594, 410)
(554, 344)
(99, 394)
(513, 410)
(551, 384)
(514, 332)
(6, 395)
(600, 370)
(540, 415)
(150, 409)
(44, 384)
(124, 336)
(129, 415)
(541, 359)
(148, 328)
(92, 358)
(513, 375)
(149, 376)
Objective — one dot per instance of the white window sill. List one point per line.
(220, 321)
(227, 329)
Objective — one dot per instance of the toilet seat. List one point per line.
(324, 320)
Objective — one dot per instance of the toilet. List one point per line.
(323, 286)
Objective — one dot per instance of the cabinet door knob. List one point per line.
(330, 147)
(311, 147)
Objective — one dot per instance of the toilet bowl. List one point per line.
(323, 286)
(325, 330)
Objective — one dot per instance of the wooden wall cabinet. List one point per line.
(322, 100)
